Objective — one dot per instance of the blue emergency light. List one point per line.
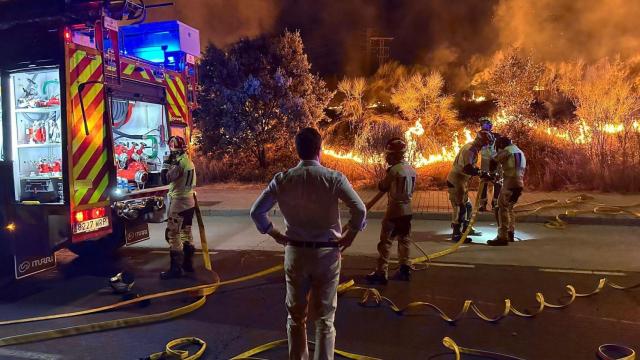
(164, 42)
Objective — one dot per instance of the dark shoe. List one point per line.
(498, 242)
(175, 269)
(512, 236)
(483, 208)
(187, 263)
(404, 273)
(456, 233)
(377, 277)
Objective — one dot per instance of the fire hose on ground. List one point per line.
(582, 199)
(368, 295)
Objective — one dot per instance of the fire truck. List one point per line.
(89, 95)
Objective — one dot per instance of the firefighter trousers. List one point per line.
(460, 204)
(485, 192)
(400, 228)
(312, 277)
(506, 217)
(179, 229)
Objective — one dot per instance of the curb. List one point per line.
(484, 217)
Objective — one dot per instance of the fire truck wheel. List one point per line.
(107, 245)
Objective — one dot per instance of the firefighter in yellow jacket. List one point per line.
(181, 176)
(514, 164)
(399, 184)
(464, 167)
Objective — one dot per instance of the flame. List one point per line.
(418, 159)
(579, 133)
(477, 99)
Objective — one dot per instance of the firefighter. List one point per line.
(399, 184)
(486, 154)
(308, 196)
(514, 164)
(464, 167)
(181, 176)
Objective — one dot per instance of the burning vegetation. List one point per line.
(578, 123)
(562, 78)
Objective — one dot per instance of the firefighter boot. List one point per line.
(175, 269)
(187, 264)
(456, 234)
(512, 236)
(472, 231)
(404, 273)
(498, 241)
(377, 277)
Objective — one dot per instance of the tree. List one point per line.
(382, 84)
(512, 80)
(353, 106)
(255, 96)
(607, 102)
(421, 96)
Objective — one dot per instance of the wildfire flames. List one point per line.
(580, 133)
(418, 159)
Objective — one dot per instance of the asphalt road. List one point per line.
(593, 247)
(242, 316)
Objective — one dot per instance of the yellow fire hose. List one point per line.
(582, 199)
(206, 289)
(203, 236)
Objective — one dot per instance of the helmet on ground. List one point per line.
(485, 123)
(396, 145)
(502, 142)
(122, 282)
(485, 137)
(177, 143)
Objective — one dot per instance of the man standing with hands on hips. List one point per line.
(308, 197)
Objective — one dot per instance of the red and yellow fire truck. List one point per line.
(87, 107)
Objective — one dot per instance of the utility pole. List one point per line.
(380, 48)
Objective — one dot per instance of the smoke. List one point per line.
(221, 22)
(334, 32)
(557, 30)
(456, 37)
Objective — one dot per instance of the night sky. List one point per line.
(457, 37)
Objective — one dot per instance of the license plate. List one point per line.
(91, 225)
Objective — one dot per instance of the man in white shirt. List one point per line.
(308, 197)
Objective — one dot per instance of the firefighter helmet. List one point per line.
(395, 145)
(502, 142)
(485, 123)
(485, 137)
(122, 282)
(177, 143)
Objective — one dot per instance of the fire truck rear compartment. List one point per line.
(140, 135)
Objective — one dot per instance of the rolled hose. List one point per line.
(615, 352)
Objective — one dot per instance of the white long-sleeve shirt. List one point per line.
(308, 197)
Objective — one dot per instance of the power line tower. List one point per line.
(380, 48)
(377, 49)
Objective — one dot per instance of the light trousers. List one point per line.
(506, 217)
(312, 277)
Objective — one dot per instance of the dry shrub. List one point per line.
(358, 176)
(367, 139)
(240, 167)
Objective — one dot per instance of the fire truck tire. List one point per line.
(107, 245)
